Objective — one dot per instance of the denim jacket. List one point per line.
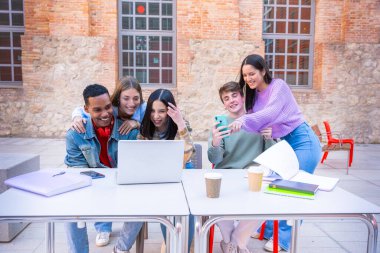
(83, 149)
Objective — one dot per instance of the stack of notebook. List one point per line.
(292, 189)
(282, 159)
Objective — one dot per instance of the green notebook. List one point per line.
(289, 193)
(294, 186)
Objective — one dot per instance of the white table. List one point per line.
(103, 201)
(237, 202)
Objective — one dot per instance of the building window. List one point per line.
(11, 29)
(288, 33)
(147, 41)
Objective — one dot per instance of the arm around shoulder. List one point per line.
(142, 111)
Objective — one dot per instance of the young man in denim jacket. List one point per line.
(97, 148)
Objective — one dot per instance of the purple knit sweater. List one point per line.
(274, 107)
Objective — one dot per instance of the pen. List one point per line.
(60, 173)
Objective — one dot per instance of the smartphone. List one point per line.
(92, 174)
(222, 121)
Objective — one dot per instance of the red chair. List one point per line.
(211, 239)
(275, 235)
(341, 142)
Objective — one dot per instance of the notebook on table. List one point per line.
(293, 186)
(289, 193)
(282, 159)
(150, 161)
(49, 183)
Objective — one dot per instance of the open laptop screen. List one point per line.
(150, 161)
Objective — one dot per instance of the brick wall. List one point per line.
(36, 15)
(250, 21)
(69, 44)
(361, 21)
(346, 68)
(69, 17)
(348, 21)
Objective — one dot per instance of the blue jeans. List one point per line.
(78, 240)
(191, 231)
(307, 147)
(103, 227)
(128, 235)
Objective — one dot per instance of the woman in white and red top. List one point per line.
(270, 103)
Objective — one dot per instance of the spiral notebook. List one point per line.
(48, 182)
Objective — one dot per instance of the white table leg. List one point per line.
(295, 232)
(197, 233)
(49, 235)
(169, 237)
(180, 229)
(371, 223)
(184, 239)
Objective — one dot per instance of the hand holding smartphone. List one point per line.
(92, 174)
(222, 122)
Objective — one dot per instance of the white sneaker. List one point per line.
(116, 250)
(255, 235)
(269, 246)
(102, 239)
(228, 247)
(239, 250)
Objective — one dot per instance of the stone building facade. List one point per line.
(70, 44)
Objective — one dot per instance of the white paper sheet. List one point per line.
(281, 159)
(324, 183)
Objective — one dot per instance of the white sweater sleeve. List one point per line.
(79, 111)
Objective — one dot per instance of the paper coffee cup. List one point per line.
(255, 178)
(213, 181)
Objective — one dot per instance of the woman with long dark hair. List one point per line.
(163, 121)
(270, 103)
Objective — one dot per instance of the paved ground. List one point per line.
(332, 236)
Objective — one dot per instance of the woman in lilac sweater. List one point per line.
(270, 103)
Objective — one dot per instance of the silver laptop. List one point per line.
(150, 161)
